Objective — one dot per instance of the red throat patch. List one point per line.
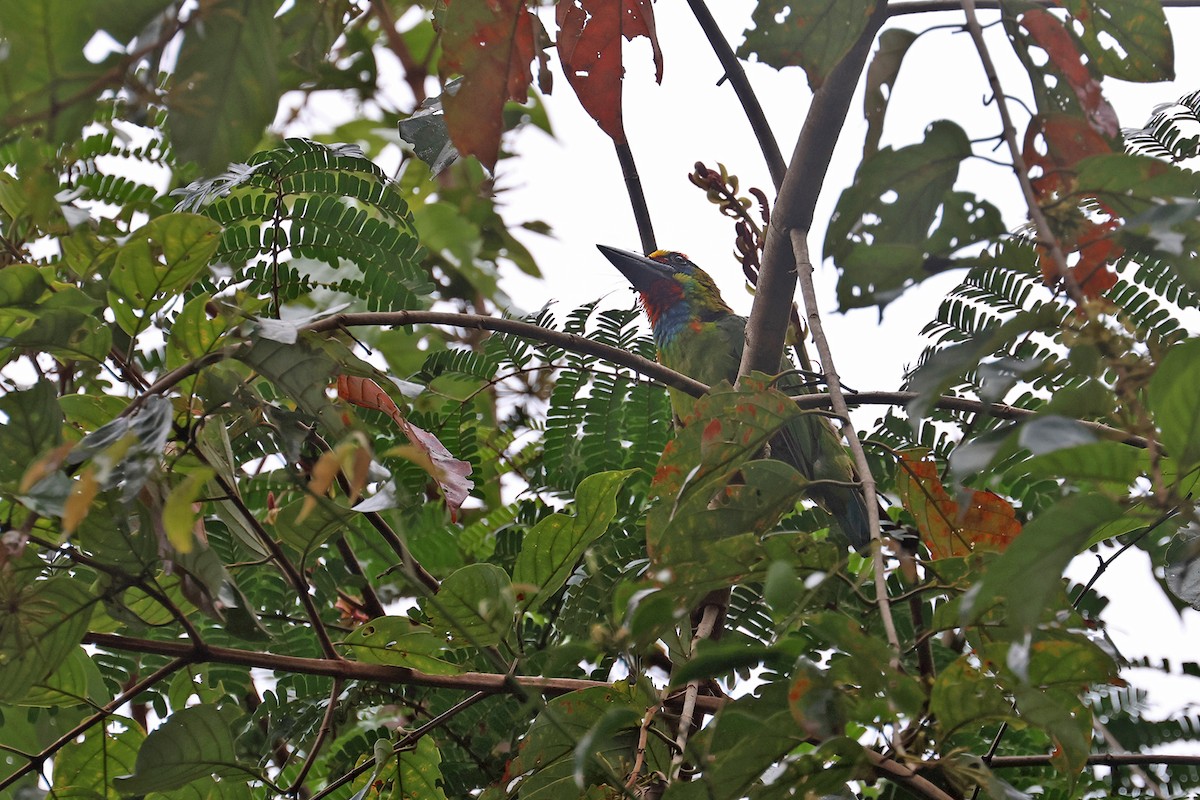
(662, 295)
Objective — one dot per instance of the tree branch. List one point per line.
(182, 659)
(767, 327)
(527, 330)
(744, 91)
(637, 198)
(900, 7)
(1045, 235)
(491, 683)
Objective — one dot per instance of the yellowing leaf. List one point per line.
(80, 500)
(950, 528)
(180, 509)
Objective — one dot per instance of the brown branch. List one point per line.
(370, 601)
(906, 776)
(322, 734)
(414, 73)
(951, 403)
(182, 659)
(767, 327)
(526, 330)
(1102, 760)
(406, 741)
(489, 682)
(299, 583)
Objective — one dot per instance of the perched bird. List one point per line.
(697, 334)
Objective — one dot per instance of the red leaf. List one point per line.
(1065, 54)
(490, 43)
(589, 47)
(986, 523)
(450, 473)
(1055, 144)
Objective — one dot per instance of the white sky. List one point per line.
(574, 183)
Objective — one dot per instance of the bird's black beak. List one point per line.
(640, 271)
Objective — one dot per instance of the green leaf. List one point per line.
(881, 82)
(474, 605)
(703, 540)
(419, 772)
(552, 548)
(399, 642)
(86, 767)
(193, 743)
(814, 34)
(75, 681)
(45, 73)
(21, 285)
(962, 694)
(1030, 570)
(159, 260)
(716, 659)
(1109, 462)
(41, 623)
(882, 234)
(1127, 39)
(323, 520)
(225, 89)
(1175, 403)
(32, 424)
(548, 751)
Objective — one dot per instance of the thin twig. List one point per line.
(527, 330)
(808, 292)
(322, 734)
(900, 7)
(279, 557)
(188, 656)
(1045, 234)
(406, 741)
(767, 327)
(704, 630)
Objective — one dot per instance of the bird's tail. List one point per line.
(849, 510)
(811, 445)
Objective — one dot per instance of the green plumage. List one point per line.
(698, 335)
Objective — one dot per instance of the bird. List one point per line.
(697, 334)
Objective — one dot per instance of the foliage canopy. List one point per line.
(292, 509)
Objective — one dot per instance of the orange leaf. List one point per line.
(987, 522)
(1065, 54)
(490, 43)
(450, 473)
(589, 47)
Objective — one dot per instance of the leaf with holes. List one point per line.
(901, 214)
(491, 44)
(590, 48)
(1127, 39)
(813, 34)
